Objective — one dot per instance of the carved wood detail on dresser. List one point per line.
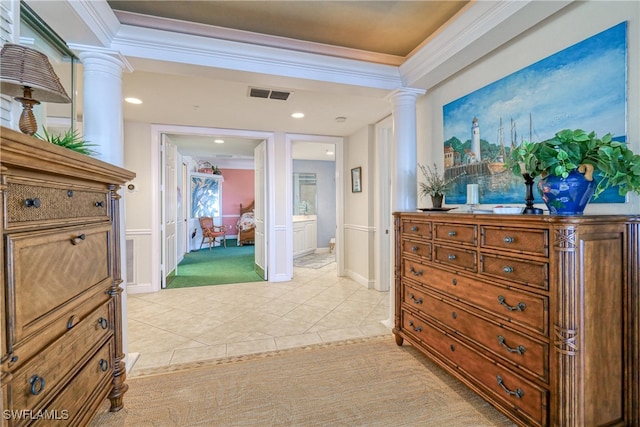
(537, 314)
(61, 325)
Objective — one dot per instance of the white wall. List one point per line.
(571, 25)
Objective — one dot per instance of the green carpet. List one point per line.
(218, 266)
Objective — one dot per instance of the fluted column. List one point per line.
(404, 185)
(102, 118)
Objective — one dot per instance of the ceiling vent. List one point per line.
(255, 92)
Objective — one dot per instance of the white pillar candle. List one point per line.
(472, 194)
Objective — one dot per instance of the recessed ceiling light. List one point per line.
(218, 141)
(133, 100)
(297, 115)
(329, 153)
(341, 119)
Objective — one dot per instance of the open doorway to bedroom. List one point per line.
(206, 174)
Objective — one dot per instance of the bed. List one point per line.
(246, 225)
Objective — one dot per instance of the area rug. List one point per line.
(367, 382)
(315, 260)
(216, 266)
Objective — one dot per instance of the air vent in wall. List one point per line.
(268, 94)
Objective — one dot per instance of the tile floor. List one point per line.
(184, 325)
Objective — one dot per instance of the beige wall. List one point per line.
(571, 25)
(359, 211)
(139, 204)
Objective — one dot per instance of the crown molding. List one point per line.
(477, 30)
(90, 22)
(230, 34)
(198, 50)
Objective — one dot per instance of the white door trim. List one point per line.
(156, 137)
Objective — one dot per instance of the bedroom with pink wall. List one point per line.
(238, 187)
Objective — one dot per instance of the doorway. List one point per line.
(164, 255)
(321, 156)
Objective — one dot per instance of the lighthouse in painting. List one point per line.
(475, 139)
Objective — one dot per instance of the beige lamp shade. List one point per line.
(27, 74)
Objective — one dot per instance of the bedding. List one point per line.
(246, 221)
(246, 226)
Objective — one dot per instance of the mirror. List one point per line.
(304, 194)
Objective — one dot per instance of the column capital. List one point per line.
(405, 93)
(104, 57)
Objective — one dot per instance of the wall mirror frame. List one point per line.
(305, 194)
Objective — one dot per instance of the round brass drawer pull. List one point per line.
(509, 239)
(452, 233)
(104, 365)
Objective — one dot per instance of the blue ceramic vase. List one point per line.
(566, 196)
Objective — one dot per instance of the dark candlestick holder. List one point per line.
(529, 209)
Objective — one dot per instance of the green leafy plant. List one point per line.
(71, 139)
(613, 162)
(434, 184)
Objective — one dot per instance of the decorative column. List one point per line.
(404, 185)
(102, 119)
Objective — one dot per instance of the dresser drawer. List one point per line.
(51, 368)
(521, 396)
(32, 345)
(417, 248)
(50, 270)
(416, 229)
(524, 352)
(512, 305)
(529, 273)
(89, 388)
(459, 258)
(456, 233)
(27, 203)
(525, 241)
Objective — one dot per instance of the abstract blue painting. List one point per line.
(580, 87)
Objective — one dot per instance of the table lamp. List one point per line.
(27, 75)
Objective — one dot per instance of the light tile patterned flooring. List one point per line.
(176, 326)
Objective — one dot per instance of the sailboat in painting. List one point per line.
(497, 166)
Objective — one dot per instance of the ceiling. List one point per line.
(379, 32)
(394, 28)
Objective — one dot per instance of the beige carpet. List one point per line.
(368, 382)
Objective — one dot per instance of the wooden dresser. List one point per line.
(61, 326)
(536, 314)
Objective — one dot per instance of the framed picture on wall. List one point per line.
(356, 185)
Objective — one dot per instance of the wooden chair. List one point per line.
(210, 232)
